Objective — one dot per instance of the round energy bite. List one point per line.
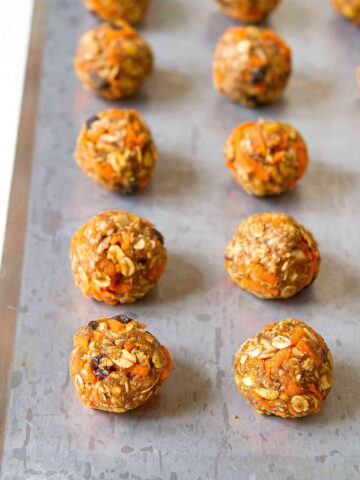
(115, 148)
(272, 256)
(266, 157)
(113, 60)
(285, 370)
(116, 365)
(251, 66)
(117, 257)
(131, 11)
(250, 11)
(350, 9)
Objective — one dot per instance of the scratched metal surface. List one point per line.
(191, 431)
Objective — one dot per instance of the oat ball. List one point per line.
(131, 11)
(249, 11)
(272, 256)
(251, 66)
(116, 365)
(113, 60)
(117, 257)
(266, 157)
(285, 370)
(115, 148)
(350, 9)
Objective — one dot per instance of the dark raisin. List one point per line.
(96, 370)
(122, 318)
(159, 235)
(258, 75)
(98, 82)
(91, 120)
(93, 324)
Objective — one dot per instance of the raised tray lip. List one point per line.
(15, 231)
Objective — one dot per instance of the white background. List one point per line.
(15, 22)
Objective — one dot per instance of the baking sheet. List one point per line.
(198, 427)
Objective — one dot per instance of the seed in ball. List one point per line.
(113, 60)
(266, 157)
(251, 66)
(130, 11)
(272, 256)
(117, 257)
(247, 10)
(285, 370)
(116, 365)
(115, 148)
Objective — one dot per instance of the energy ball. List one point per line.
(350, 9)
(117, 257)
(266, 157)
(115, 148)
(113, 60)
(116, 365)
(285, 370)
(272, 256)
(131, 11)
(248, 11)
(251, 66)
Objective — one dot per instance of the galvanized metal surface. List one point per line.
(191, 430)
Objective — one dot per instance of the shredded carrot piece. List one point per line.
(291, 387)
(312, 388)
(140, 370)
(254, 166)
(249, 284)
(302, 156)
(81, 341)
(157, 272)
(77, 364)
(90, 377)
(273, 364)
(115, 325)
(126, 241)
(164, 374)
(106, 171)
(98, 336)
(296, 335)
(260, 273)
(269, 326)
(129, 346)
(122, 287)
(305, 348)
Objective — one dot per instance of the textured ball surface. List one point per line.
(266, 157)
(116, 365)
(113, 60)
(272, 256)
(285, 370)
(117, 257)
(115, 148)
(251, 66)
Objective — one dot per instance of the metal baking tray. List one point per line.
(198, 427)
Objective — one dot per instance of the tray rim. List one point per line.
(16, 220)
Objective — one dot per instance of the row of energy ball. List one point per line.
(116, 149)
(118, 257)
(286, 369)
